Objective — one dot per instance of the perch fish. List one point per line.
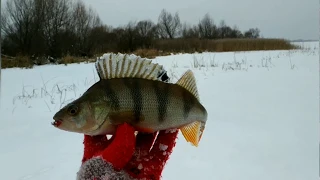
(129, 90)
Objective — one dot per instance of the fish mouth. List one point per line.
(57, 123)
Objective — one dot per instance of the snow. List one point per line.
(263, 118)
(163, 147)
(140, 166)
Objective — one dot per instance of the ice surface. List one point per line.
(263, 115)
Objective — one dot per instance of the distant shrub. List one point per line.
(78, 34)
(149, 53)
(221, 45)
(72, 59)
(67, 60)
(165, 47)
(252, 45)
(19, 61)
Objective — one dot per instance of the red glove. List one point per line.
(126, 156)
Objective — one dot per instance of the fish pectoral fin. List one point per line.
(125, 117)
(193, 132)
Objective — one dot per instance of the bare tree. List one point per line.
(83, 21)
(146, 28)
(168, 25)
(146, 32)
(59, 27)
(224, 31)
(188, 31)
(101, 38)
(18, 24)
(252, 33)
(236, 33)
(207, 28)
(56, 19)
(4, 21)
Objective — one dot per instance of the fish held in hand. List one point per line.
(130, 91)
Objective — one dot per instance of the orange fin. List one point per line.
(188, 82)
(193, 132)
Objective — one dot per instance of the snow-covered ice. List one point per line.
(263, 109)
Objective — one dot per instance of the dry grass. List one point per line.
(150, 53)
(19, 61)
(223, 45)
(72, 59)
(252, 44)
(166, 47)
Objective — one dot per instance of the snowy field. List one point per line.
(263, 112)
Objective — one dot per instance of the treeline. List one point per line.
(59, 28)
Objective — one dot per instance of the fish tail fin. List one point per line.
(188, 82)
(193, 132)
(119, 65)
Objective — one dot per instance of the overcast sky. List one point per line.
(290, 19)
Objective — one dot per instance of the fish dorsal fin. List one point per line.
(119, 65)
(188, 82)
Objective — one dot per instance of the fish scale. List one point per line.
(149, 100)
(130, 91)
(155, 106)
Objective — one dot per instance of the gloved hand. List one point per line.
(126, 156)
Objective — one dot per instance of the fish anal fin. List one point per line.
(188, 82)
(119, 65)
(193, 132)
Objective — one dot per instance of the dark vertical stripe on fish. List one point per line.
(135, 90)
(110, 93)
(188, 102)
(162, 95)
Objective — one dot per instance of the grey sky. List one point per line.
(291, 19)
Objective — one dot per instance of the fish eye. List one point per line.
(72, 109)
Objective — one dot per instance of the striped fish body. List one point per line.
(130, 91)
(149, 105)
